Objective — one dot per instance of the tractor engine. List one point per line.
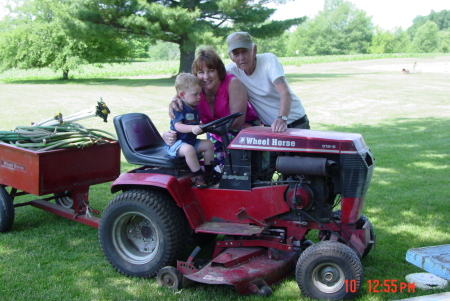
(310, 192)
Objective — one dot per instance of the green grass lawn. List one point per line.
(404, 119)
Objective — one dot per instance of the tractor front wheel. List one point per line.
(329, 270)
(170, 277)
(142, 231)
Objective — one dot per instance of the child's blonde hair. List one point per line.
(186, 81)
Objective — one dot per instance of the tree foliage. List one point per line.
(38, 37)
(339, 29)
(276, 45)
(444, 37)
(426, 38)
(163, 51)
(385, 41)
(65, 34)
(187, 23)
(442, 20)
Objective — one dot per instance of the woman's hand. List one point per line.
(175, 105)
(169, 137)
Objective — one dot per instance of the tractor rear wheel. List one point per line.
(142, 231)
(329, 270)
(6, 211)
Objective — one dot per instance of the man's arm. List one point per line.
(238, 101)
(280, 125)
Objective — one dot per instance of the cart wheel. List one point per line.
(6, 211)
(64, 200)
(142, 231)
(170, 277)
(329, 270)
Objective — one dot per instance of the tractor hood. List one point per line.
(298, 140)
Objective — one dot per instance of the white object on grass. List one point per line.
(426, 281)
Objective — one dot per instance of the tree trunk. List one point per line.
(187, 54)
(66, 74)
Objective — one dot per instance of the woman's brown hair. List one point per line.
(211, 59)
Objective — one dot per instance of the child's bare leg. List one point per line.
(188, 151)
(206, 147)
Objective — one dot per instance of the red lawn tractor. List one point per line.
(258, 222)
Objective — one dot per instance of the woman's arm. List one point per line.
(237, 102)
(175, 105)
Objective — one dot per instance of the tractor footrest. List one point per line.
(229, 228)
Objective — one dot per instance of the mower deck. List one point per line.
(249, 270)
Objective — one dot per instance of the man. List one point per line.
(263, 76)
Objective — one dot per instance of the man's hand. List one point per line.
(175, 105)
(279, 125)
(169, 137)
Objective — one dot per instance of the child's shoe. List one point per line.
(212, 177)
(200, 182)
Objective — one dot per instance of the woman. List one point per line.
(222, 94)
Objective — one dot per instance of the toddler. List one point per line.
(186, 123)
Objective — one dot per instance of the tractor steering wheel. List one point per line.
(220, 126)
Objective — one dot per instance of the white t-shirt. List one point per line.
(262, 93)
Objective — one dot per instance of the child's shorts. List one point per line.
(173, 149)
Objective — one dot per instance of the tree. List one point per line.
(382, 42)
(402, 41)
(339, 29)
(187, 23)
(442, 20)
(163, 51)
(299, 42)
(140, 47)
(427, 38)
(444, 41)
(390, 42)
(276, 45)
(37, 37)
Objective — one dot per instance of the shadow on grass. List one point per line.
(296, 77)
(161, 82)
(125, 82)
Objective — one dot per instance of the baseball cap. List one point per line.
(239, 39)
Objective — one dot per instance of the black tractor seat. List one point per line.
(142, 144)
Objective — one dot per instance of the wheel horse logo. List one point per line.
(242, 140)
